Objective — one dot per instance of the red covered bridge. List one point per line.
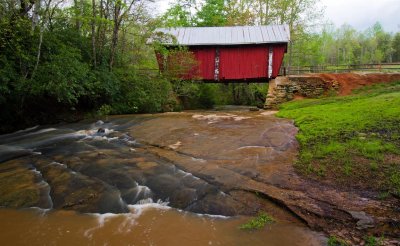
(229, 54)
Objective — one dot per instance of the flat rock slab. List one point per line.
(225, 163)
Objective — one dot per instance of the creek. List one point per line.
(189, 178)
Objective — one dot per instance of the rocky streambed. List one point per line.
(229, 163)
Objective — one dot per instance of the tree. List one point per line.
(239, 12)
(396, 47)
(384, 41)
(93, 25)
(58, 56)
(121, 10)
(176, 16)
(212, 13)
(300, 15)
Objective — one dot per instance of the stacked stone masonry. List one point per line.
(284, 89)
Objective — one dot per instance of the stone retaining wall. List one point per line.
(283, 89)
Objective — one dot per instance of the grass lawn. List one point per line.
(354, 140)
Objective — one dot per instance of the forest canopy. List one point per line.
(61, 60)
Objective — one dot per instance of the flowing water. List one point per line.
(152, 226)
(168, 179)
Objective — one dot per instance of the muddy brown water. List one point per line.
(151, 226)
(187, 178)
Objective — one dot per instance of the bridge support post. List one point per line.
(270, 100)
(283, 89)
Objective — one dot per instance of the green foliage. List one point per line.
(7, 75)
(208, 13)
(345, 45)
(47, 68)
(373, 241)
(396, 47)
(369, 241)
(203, 95)
(62, 76)
(141, 94)
(395, 181)
(257, 223)
(176, 16)
(250, 94)
(105, 109)
(207, 95)
(350, 135)
(333, 241)
(70, 59)
(101, 86)
(383, 195)
(212, 13)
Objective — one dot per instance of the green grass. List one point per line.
(354, 140)
(333, 241)
(369, 241)
(258, 222)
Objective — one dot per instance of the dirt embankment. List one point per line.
(351, 81)
(287, 88)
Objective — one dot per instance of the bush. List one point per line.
(144, 94)
(104, 110)
(259, 222)
(207, 96)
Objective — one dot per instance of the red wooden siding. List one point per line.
(243, 62)
(206, 61)
(277, 58)
(238, 63)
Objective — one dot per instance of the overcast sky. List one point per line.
(360, 14)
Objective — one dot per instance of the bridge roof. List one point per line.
(233, 35)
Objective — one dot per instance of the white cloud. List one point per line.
(163, 5)
(362, 14)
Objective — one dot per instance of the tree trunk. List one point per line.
(94, 33)
(28, 88)
(123, 43)
(100, 33)
(25, 7)
(114, 40)
(266, 14)
(117, 23)
(78, 14)
(39, 53)
(41, 27)
(290, 57)
(35, 14)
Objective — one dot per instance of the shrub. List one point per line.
(259, 222)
